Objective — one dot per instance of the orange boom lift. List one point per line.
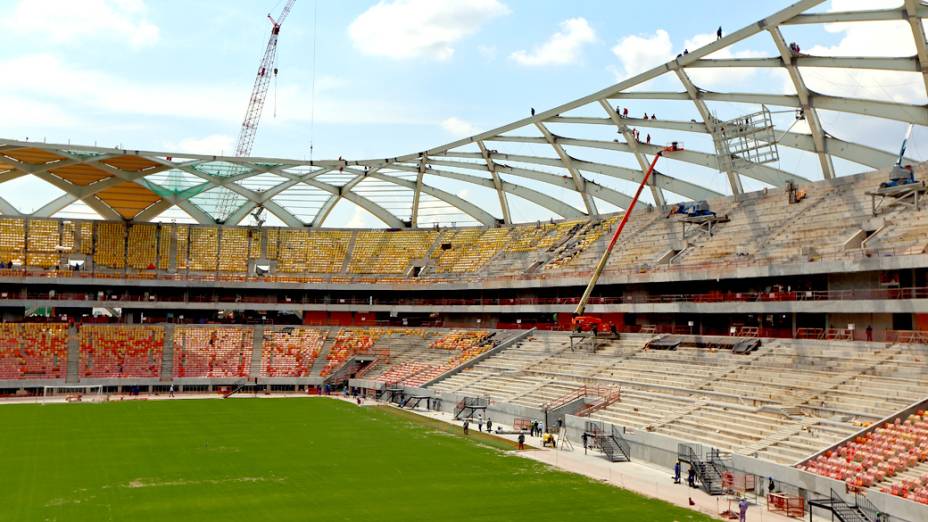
(582, 322)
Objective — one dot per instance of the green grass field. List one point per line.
(275, 460)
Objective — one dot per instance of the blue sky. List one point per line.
(390, 78)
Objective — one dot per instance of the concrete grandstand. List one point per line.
(782, 334)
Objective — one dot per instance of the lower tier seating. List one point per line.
(290, 351)
(33, 351)
(784, 402)
(881, 458)
(212, 351)
(119, 351)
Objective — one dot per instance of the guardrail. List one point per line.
(296, 278)
(702, 298)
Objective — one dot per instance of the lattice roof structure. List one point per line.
(584, 147)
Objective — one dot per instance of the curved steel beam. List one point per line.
(543, 200)
(463, 205)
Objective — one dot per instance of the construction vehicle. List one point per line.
(900, 175)
(582, 322)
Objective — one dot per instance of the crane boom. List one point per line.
(266, 68)
(581, 306)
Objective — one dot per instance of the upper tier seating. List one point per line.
(383, 252)
(290, 351)
(748, 404)
(212, 351)
(761, 228)
(42, 240)
(110, 245)
(33, 351)
(233, 250)
(204, 248)
(121, 351)
(12, 239)
(467, 250)
(318, 251)
(144, 251)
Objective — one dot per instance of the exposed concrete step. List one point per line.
(779, 435)
(321, 361)
(672, 416)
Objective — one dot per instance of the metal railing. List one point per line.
(623, 444)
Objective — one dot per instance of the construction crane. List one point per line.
(246, 138)
(582, 322)
(267, 67)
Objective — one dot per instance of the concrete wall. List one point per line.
(661, 449)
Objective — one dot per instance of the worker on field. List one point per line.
(466, 427)
(171, 391)
(489, 425)
(691, 477)
(585, 437)
(479, 424)
(676, 473)
(521, 441)
(743, 509)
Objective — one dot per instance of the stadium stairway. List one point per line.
(256, 350)
(167, 357)
(74, 351)
(349, 254)
(322, 360)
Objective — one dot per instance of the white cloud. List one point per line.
(70, 21)
(40, 77)
(404, 29)
(32, 113)
(640, 53)
(360, 218)
(563, 47)
(458, 127)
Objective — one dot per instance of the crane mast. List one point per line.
(267, 67)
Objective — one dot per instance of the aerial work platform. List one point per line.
(700, 224)
(906, 195)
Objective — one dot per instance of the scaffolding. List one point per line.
(750, 138)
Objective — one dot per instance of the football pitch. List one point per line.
(276, 460)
